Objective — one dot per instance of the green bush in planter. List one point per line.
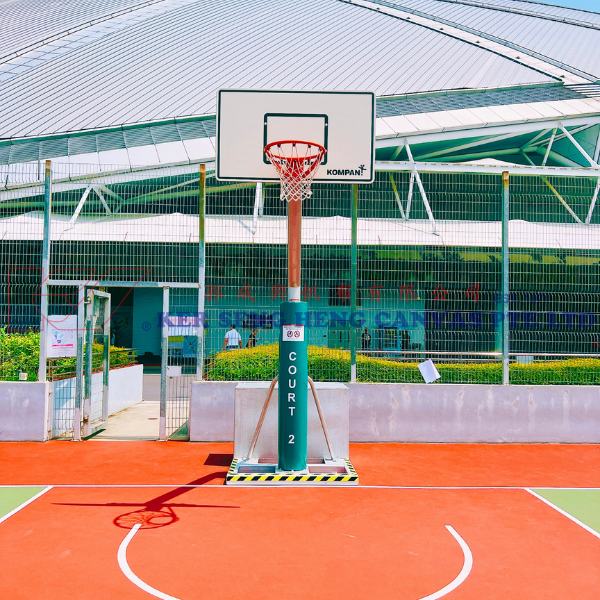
(326, 364)
(21, 352)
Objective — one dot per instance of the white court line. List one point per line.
(564, 513)
(16, 510)
(122, 558)
(283, 487)
(288, 487)
(464, 572)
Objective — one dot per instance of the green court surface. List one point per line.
(13, 497)
(584, 505)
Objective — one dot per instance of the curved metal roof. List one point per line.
(565, 35)
(70, 66)
(29, 22)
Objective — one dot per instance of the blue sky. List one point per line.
(585, 4)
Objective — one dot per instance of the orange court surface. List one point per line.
(133, 520)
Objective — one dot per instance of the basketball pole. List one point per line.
(293, 355)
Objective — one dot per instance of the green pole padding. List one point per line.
(293, 381)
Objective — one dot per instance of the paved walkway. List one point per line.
(140, 422)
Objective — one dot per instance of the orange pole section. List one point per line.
(294, 247)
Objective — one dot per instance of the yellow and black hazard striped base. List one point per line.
(280, 478)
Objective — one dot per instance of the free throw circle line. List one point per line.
(122, 558)
(464, 572)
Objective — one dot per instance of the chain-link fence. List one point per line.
(428, 279)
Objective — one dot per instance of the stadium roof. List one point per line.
(72, 66)
(123, 83)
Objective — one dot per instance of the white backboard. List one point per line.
(342, 122)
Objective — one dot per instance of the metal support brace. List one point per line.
(112, 194)
(397, 151)
(164, 332)
(555, 192)
(562, 200)
(88, 189)
(422, 190)
(398, 201)
(575, 143)
(258, 206)
(102, 199)
(549, 147)
(597, 151)
(263, 414)
(484, 142)
(533, 140)
(588, 219)
(411, 187)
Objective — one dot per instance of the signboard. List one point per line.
(293, 333)
(61, 337)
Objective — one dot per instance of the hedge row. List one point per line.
(21, 352)
(325, 364)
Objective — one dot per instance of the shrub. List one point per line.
(21, 352)
(326, 364)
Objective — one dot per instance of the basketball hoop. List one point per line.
(296, 162)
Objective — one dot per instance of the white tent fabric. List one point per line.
(179, 228)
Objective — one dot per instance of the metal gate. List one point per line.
(80, 397)
(97, 361)
(179, 360)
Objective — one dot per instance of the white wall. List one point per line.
(413, 412)
(125, 386)
(23, 411)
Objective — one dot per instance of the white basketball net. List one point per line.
(296, 162)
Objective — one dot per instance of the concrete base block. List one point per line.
(211, 411)
(249, 400)
(23, 411)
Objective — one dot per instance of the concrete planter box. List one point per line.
(25, 406)
(23, 411)
(389, 412)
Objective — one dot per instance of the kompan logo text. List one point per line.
(358, 171)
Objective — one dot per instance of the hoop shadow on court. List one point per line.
(156, 512)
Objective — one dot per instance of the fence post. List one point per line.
(164, 332)
(81, 298)
(201, 273)
(505, 279)
(353, 283)
(45, 271)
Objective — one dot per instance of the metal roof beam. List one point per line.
(432, 167)
(560, 159)
(421, 189)
(575, 143)
(515, 128)
(397, 195)
(554, 191)
(593, 203)
(484, 142)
